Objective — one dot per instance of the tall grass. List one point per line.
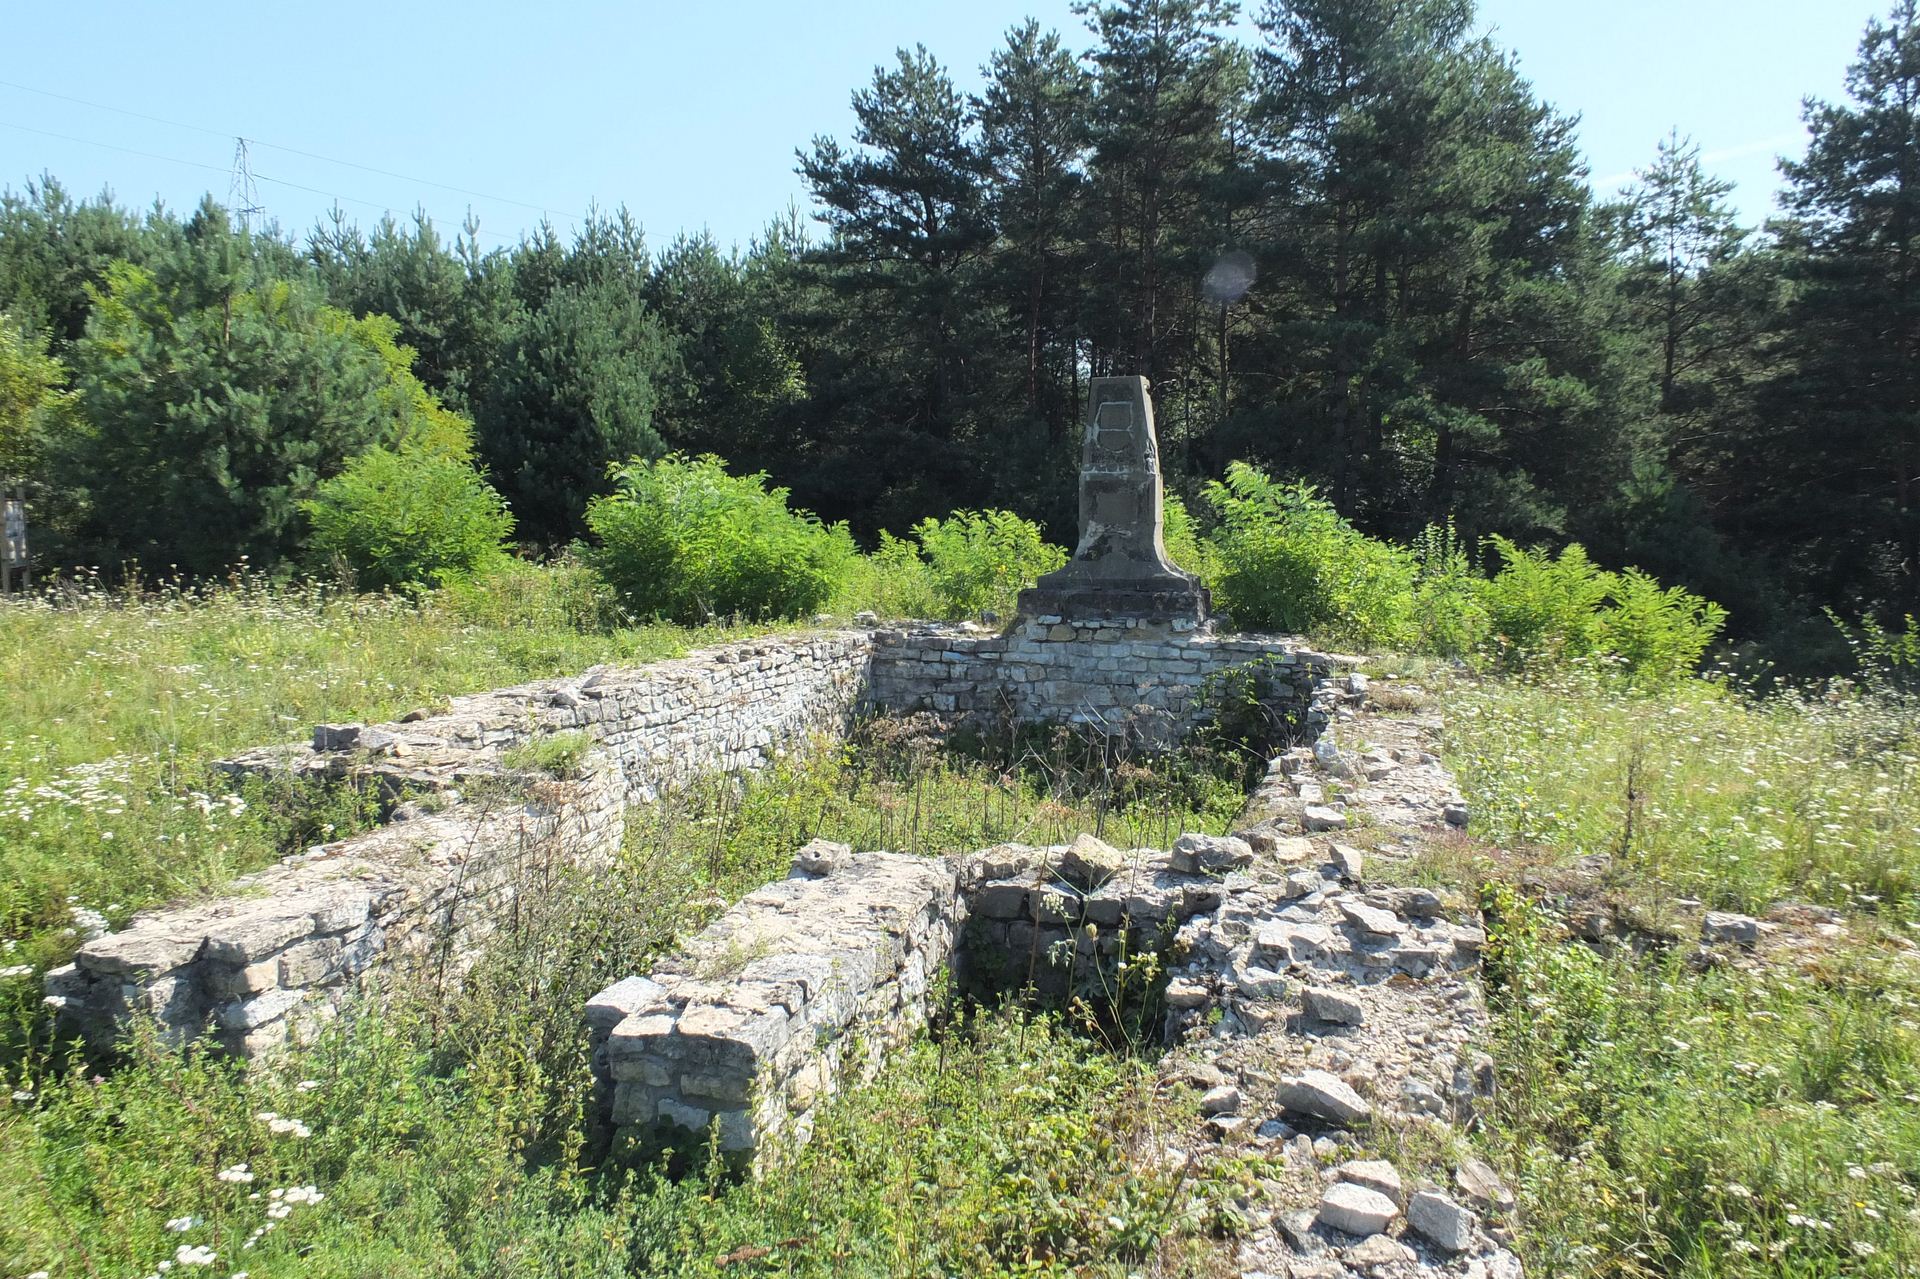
(1667, 1114)
(440, 1130)
(1698, 791)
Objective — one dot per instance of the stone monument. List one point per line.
(1120, 569)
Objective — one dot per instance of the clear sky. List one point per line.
(689, 113)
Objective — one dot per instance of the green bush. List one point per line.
(562, 596)
(1545, 608)
(979, 560)
(1658, 633)
(408, 519)
(892, 582)
(1285, 560)
(1887, 661)
(1450, 613)
(1184, 545)
(682, 539)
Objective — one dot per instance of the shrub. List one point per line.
(1543, 608)
(1184, 545)
(1285, 560)
(892, 582)
(1887, 661)
(562, 596)
(682, 539)
(1659, 634)
(408, 519)
(981, 560)
(1450, 615)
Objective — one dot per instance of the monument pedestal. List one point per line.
(1171, 599)
(1120, 570)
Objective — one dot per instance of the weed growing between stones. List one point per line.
(558, 755)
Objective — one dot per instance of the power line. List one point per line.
(68, 137)
(311, 155)
(383, 206)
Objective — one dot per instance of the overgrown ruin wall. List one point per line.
(287, 944)
(1151, 681)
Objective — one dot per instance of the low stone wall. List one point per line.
(806, 984)
(722, 710)
(288, 944)
(1117, 676)
(803, 983)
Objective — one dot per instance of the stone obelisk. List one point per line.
(1120, 568)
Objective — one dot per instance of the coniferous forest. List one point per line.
(1358, 251)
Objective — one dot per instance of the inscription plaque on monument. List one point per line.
(1120, 568)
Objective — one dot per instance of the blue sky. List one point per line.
(689, 113)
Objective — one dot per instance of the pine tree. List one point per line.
(898, 376)
(1836, 451)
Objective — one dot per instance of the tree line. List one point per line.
(1356, 249)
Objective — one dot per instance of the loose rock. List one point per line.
(1719, 925)
(1441, 1221)
(1224, 1100)
(1210, 854)
(1090, 862)
(1318, 817)
(1323, 1096)
(1374, 1174)
(1334, 1006)
(1356, 1210)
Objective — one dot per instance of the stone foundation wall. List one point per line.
(804, 984)
(1117, 676)
(288, 944)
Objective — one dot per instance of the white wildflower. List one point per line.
(15, 970)
(180, 1225)
(195, 1255)
(236, 1175)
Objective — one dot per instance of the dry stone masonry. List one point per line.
(1314, 1007)
(289, 943)
(1124, 676)
(803, 983)
(286, 945)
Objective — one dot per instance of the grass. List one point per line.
(892, 786)
(119, 699)
(1667, 1116)
(1698, 791)
(558, 755)
(442, 1129)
